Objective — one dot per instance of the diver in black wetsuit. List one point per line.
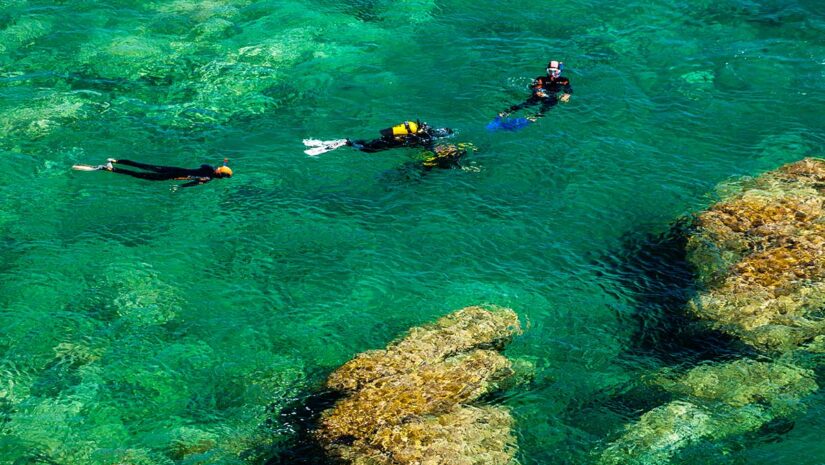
(406, 134)
(544, 90)
(196, 177)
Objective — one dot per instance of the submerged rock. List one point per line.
(774, 385)
(409, 403)
(659, 434)
(716, 401)
(759, 254)
(759, 257)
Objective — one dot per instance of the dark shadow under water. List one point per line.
(656, 278)
(655, 271)
(303, 417)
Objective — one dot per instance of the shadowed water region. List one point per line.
(145, 325)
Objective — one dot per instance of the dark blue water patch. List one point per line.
(302, 417)
(653, 270)
(773, 431)
(606, 412)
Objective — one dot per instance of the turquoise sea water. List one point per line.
(144, 325)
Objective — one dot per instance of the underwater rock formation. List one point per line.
(759, 256)
(759, 253)
(716, 401)
(410, 403)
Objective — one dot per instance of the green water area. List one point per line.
(146, 324)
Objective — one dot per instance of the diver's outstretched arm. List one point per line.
(196, 182)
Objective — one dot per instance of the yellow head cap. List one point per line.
(224, 172)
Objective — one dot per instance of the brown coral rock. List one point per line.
(761, 257)
(716, 401)
(408, 404)
(457, 332)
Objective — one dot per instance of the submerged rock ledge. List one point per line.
(411, 403)
(761, 256)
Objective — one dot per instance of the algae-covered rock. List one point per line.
(659, 434)
(817, 346)
(759, 258)
(48, 111)
(22, 32)
(716, 401)
(485, 433)
(455, 333)
(759, 254)
(774, 385)
(408, 404)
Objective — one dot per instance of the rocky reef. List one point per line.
(714, 402)
(759, 254)
(413, 402)
(759, 258)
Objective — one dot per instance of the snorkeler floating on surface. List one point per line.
(196, 177)
(406, 134)
(544, 90)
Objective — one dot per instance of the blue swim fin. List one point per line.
(494, 125)
(508, 124)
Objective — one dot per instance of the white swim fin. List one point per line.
(86, 168)
(322, 146)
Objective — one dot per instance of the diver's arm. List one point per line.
(567, 91)
(420, 140)
(196, 182)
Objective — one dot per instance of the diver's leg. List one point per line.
(170, 172)
(371, 146)
(529, 102)
(144, 166)
(546, 105)
(147, 176)
(515, 108)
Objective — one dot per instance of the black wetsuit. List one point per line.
(421, 139)
(200, 175)
(544, 90)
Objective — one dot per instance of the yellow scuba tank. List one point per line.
(406, 128)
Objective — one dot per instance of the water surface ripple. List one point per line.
(148, 326)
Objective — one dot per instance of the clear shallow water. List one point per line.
(134, 319)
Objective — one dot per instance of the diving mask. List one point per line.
(554, 68)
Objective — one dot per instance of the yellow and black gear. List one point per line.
(447, 155)
(407, 128)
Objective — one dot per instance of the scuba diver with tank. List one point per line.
(406, 134)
